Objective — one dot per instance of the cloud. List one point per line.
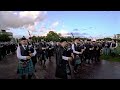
(63, 32)
(17, 19)
(31, 28)
(90, 27)
(54, 24)
(76, 30)
(84, 33)
(44, 30)
(19, 36)
(78, 34)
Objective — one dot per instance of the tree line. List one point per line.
(4, 37)
(51, 36)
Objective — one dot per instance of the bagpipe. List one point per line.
(25, 62)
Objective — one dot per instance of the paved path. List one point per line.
(101, 70)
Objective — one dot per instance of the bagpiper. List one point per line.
(77, 50)
(24, 55)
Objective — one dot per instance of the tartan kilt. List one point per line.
(44, 57)
(77, 60)
(28, 70)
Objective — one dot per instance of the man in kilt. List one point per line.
(25, 65)
(50, 50)
(43, 53)
(77, 50)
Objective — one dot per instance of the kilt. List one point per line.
(44, 56)
(27, 70)
(50, 53)
(77, 60)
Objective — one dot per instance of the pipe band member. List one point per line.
(50, 51)
(25, 65)
(32, 49)
(44, 52)
(77, 52)
(62, 61)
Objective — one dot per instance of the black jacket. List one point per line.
(60, 63)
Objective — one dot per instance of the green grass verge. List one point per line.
(110, 58)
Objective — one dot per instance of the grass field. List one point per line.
(110, 58)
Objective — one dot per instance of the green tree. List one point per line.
(4, 37)
(34, 38)
(108, 39)
(52, 36)
(59, 34)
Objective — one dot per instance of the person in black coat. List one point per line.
(4, 50)
(13, 48)
(95, 51)
(99, 49)
(8, 48)
(39, 51)
(88, 51)
(62, 60)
